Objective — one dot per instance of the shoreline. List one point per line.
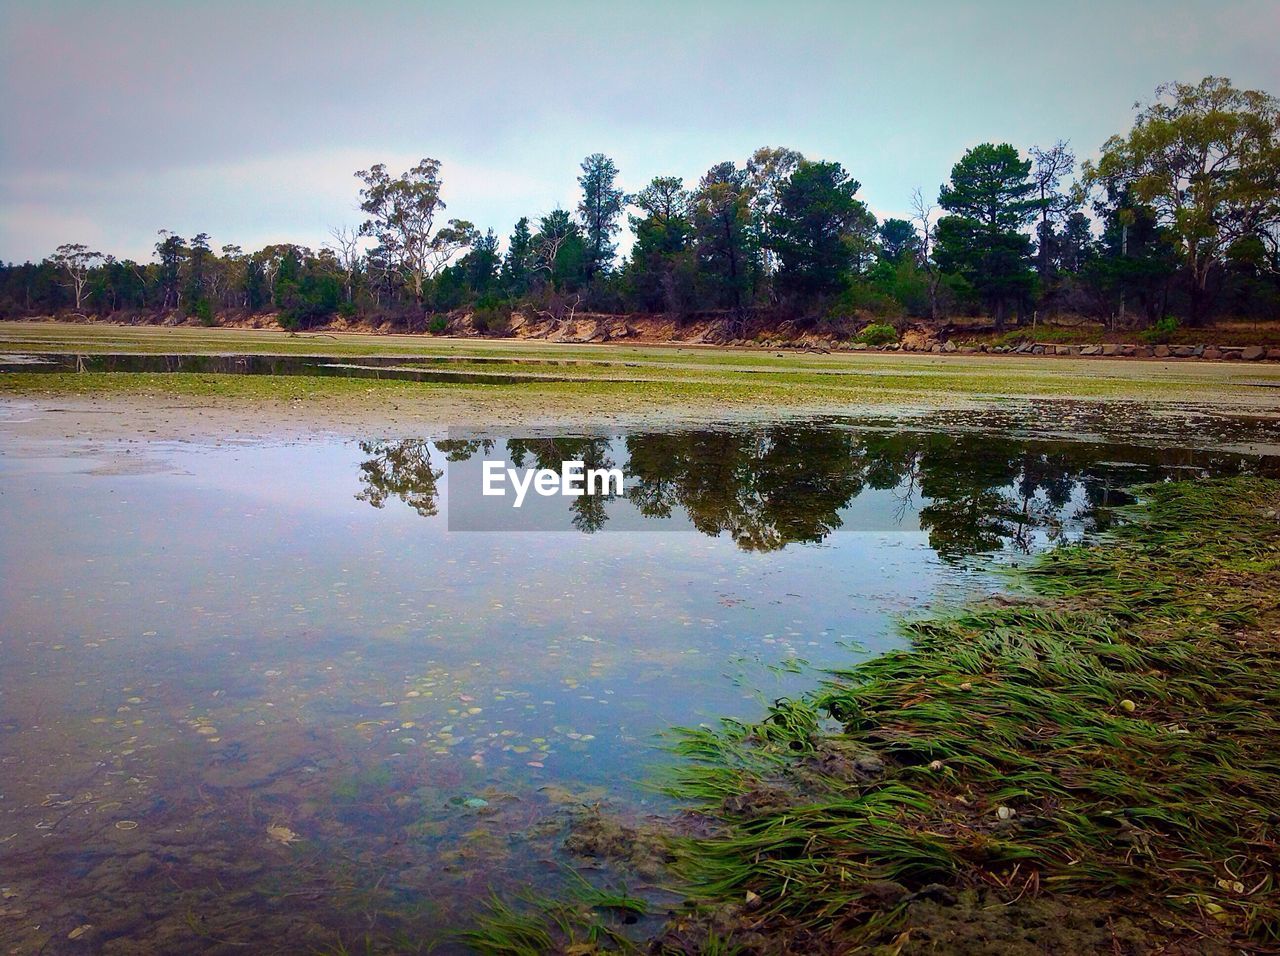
(617, 332)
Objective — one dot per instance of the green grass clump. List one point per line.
(1111, 741)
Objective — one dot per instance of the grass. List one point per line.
(1091, 767)
(662, 377)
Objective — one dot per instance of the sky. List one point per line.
(248, 120)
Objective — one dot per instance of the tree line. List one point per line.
(1177, 218)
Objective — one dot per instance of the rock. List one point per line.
(1068, 350)
(1232, 354)
(1037, 350)
(1273, 353)
(1253, 353)
(1162, 351)
(1212, 353)
(935, 892)
(1110, 349)
(869, 764)
(949, 347)
(1091, 350)
(1181, 351)
(1198, 351)
(935, 347)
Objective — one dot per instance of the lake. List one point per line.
(323, 691)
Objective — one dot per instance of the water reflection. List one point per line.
(773, 486)
(219, 693)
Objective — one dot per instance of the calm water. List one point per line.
(265, 691)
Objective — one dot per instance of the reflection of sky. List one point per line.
(248, 560)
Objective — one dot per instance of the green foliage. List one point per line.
(990, 200)
(864, 297)
(599, 210)
(820, 232)
(726, 242)
(877, 334)
(1204, 158)
(1162, 331)
(202, 312)
(438, 325)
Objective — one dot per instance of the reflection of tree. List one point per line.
(400, 469)
(765, 487)
(589, 513)
(768, 487)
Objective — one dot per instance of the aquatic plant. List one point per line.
(1107, 742)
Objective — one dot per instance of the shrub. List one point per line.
(202, 312)
(877, 334)
(347, 310)
(438, 325)
(490, 316)
(1161, 332)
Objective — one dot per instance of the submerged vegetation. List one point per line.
(1090, 766)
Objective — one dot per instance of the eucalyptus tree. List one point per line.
(1205, 159)
(1050, 166)
(768, 170)
(77, 261)
(402, 214)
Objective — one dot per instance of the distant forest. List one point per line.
(1178, 220)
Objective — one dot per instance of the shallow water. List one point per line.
(277, 691)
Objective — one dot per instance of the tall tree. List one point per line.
(768, 170)
(726, 242)
(517, 265)
(991, 199)
(171, 251)
(76, 260)
(560, 250)
(821, 232)
(482, 262)
(402, 214)
(1050, 166)
(1205, 158)
(658, 259)
(599, 210)
(346, 249)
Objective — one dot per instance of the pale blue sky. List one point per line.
(247, 120)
